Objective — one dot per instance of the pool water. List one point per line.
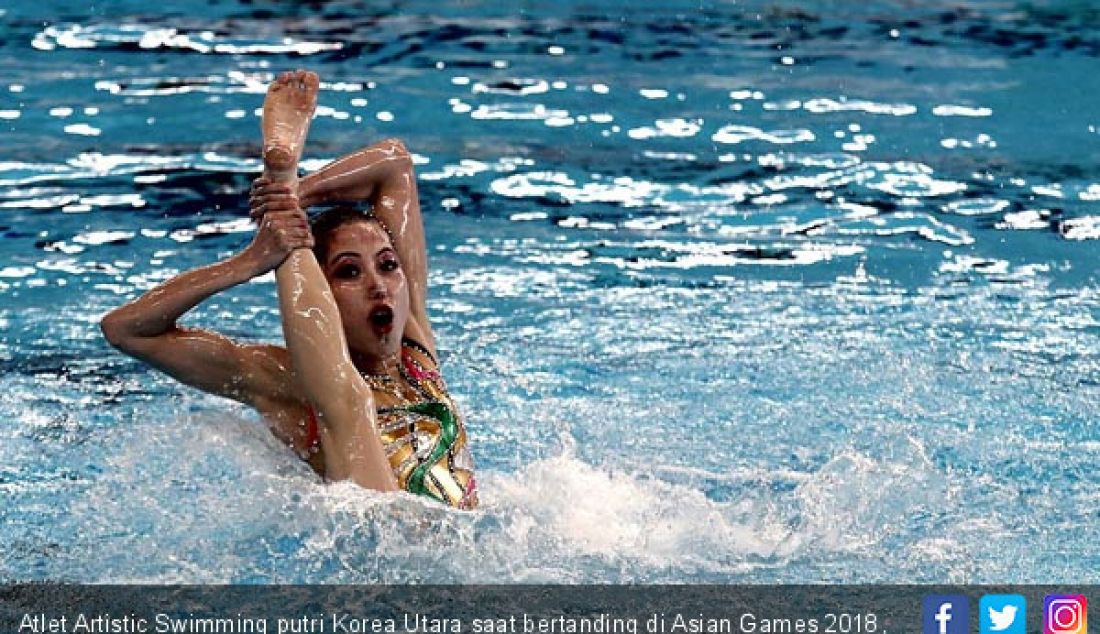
(727, 291)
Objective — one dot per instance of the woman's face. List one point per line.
(370, 289)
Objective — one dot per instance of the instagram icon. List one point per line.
(1065, 614)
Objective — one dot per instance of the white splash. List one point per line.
(733, 134)
(961, 111)
(1083, 228)
(843, 104)
(678, 128)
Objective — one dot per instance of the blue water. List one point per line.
(728, 291)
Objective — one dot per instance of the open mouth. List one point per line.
(382, 317)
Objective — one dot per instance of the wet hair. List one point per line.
(325, 224)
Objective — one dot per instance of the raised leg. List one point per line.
(311, 319)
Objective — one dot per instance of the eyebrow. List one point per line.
(341, 254)
(355, 254)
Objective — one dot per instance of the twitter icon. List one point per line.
(1002, 614)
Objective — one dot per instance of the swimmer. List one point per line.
(357, 391)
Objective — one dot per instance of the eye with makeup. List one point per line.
(387, 261)
(346, 271)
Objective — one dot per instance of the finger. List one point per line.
(287, 209)
(256, 204)
(287, 224)
(284, 198)
(267, 192)
(287, 216)
(277, 188)
(280, 208)
(258, 211)
(262, 193)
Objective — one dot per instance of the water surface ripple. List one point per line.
(737, 292)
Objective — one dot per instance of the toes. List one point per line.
(298, 79)
(304, 80)
(282, 80)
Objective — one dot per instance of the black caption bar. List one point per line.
(687, 609)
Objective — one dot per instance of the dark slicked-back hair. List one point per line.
(324, 224)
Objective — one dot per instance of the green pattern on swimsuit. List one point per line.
(448, 433)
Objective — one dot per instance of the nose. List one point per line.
(377, 291)
(376, 287)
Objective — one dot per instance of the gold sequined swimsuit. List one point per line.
(422, 433)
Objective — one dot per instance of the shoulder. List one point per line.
(420, 335)
(418, 352)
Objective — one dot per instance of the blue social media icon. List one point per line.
(1002, 614)
(946, 614)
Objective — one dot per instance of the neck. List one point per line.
(389, 365)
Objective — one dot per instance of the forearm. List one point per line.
(157, 311)
(356, 176)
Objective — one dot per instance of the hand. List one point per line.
(265, 196)
(280, 232)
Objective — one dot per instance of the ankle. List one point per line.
(280, 159)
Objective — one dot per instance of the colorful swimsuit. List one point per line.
(424, 438)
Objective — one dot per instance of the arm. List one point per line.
(146, 328)
(383, 174)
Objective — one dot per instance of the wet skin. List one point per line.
(369, 286)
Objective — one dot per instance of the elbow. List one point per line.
(113, 330)
(119, 332)
(397, 148)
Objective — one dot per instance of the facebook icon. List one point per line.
(946, 614)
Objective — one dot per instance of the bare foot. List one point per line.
(288, 109)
